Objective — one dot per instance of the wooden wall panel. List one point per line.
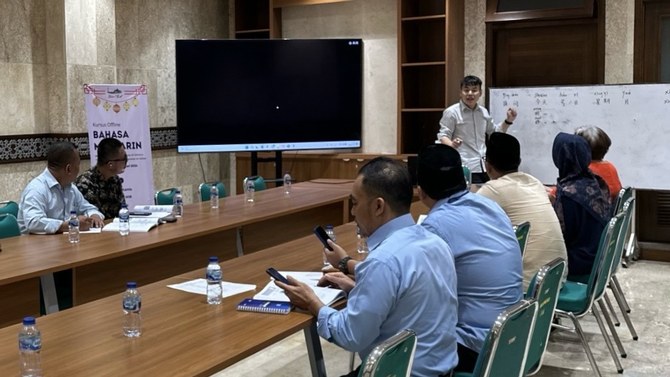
(552, 54)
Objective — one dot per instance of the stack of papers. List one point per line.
(144, 222)
(327, 295)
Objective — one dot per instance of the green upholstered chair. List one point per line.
(522, 231)
(392, 357)
(576, 298)
(506, 345)
(544, 289)
(9, 226)
(165, 197)
(205, 188)
(9, 206)
(622, 241)
(259, 182)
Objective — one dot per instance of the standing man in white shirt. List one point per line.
(465, 125)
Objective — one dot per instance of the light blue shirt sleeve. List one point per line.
(372, 298)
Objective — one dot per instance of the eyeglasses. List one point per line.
(124, 160)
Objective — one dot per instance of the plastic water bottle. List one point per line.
(178, 208)
(73, 227)
(361, 242)
(132, 305)
(214, 275)
(331, 233)
(287, 183)
(30, 345)
(468, 177)
(249, 190)
(124, 220)
(214, 196)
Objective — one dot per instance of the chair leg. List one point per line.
(621, 301)
(615, 335)
(239, 243)
(352, 360)
(49, 293)
(585, 344)
(608, 342)
(610, 308)
(614, 281)
(632, 245)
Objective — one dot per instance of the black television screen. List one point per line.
(268, 95)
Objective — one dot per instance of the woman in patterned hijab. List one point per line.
(582, 202)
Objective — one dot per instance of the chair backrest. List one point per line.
(506, 345)
(165, 197)
(259, 182)
(522, 231)
(392, 357)
(544, 289)
(205, 188)
(9, 206)
(623, 196)
(602, 265)
(9, 226)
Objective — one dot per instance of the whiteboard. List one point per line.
(634, 116)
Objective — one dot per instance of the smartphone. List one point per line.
(322, 236)
(276, 275)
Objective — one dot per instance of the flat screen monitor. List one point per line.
(268, 95)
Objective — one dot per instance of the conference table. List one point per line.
(182, 335)
(103, 262)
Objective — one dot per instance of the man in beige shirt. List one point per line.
(523, 198)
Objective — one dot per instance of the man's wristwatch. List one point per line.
(342, 265)
(508, 122)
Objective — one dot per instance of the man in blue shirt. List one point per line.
(483, 243)
(407, 281)
(47, 200)
(46, 203)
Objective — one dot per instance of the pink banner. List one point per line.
(122, 112)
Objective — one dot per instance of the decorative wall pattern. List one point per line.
(25, 148)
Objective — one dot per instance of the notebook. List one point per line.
(264, 306)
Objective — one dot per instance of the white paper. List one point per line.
(199, 286)
(272, 292)
(308, 277)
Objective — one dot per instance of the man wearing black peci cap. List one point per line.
(483, 243)
(524, 198)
